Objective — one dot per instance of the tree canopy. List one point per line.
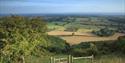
(20, 36)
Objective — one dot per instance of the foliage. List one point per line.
(121, 44)
(19, 37)
(104, 32)
(57, 45)
(72, 28)
(84, 49)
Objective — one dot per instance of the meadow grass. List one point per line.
(34, 59)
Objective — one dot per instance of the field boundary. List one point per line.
(70, 59)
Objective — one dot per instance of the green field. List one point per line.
(87, 24)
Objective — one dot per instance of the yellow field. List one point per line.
(65, 33)
(83, 37)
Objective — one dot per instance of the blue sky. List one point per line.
(61, 6)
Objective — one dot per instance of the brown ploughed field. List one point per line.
(83, 37)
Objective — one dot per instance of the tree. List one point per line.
(53, 47)
(104, 32)
(72, 28)
(20, 37)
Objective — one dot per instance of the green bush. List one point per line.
(84, 49)
(104, 32)
(57, 45)
(121, 44)
(19, 37)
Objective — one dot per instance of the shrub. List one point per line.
(19, 37)
(84, 49)
(57, 45)
(104, 32)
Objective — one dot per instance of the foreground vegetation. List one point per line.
(20, 37)
(23, 37)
